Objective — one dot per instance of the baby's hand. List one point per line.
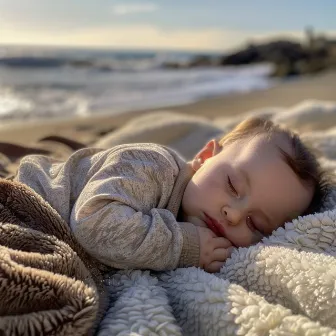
(213, 250)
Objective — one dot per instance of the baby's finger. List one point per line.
(221, 254)
(206, 231)
(220, 242)
(214, 267)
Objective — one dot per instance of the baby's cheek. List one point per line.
(245, 238)
(196, 221)
(256, 237)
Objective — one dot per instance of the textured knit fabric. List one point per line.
(121, 203)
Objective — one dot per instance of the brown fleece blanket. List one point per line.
(48, 284)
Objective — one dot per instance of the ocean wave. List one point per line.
(10, 103)
(56, 97)
(45, 62)
(48, 83)
(108, 60)
(100, 65)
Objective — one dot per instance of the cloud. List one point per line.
(142, 36)
(133, 8)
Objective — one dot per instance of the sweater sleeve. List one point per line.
(120, 216)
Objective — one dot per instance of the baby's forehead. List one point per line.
(266, 143)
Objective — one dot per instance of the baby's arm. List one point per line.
(118, 217)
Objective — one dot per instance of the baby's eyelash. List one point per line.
(232, 188)
(252, 224)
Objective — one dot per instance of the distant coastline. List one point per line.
(289, 57)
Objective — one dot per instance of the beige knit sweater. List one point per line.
(121, 203)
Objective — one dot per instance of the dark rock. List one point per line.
(272, 52)
(173, 65)
(197, 61)
(288, 57)
(247, 56)
(82, 63)
(286, 69)
(202, 61)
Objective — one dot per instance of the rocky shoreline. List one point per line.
(290, 58)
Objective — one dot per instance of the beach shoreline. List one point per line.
(89, 128)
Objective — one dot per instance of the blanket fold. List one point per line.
(140, 305)
(48, 284)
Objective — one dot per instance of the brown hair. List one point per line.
(303, 160)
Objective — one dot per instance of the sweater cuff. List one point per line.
(190, 254)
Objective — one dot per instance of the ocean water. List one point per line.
(40, 83)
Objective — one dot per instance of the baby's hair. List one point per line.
(302, 161)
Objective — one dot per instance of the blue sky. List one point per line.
(167, 24)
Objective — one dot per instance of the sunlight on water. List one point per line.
(10, 103)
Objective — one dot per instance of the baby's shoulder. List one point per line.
(145, 153)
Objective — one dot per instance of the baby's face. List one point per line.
(245, 191)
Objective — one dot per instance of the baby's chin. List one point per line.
(195, 220)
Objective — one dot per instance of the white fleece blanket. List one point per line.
(285, 285)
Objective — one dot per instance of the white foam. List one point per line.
(10, 103)
(68, 92)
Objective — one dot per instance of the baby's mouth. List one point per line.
(214, 226)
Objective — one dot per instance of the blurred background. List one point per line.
(71, 58)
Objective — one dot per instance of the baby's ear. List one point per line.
(211, 149)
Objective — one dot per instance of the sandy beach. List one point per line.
(90, 129)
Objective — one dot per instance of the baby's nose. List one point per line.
(233, 216)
